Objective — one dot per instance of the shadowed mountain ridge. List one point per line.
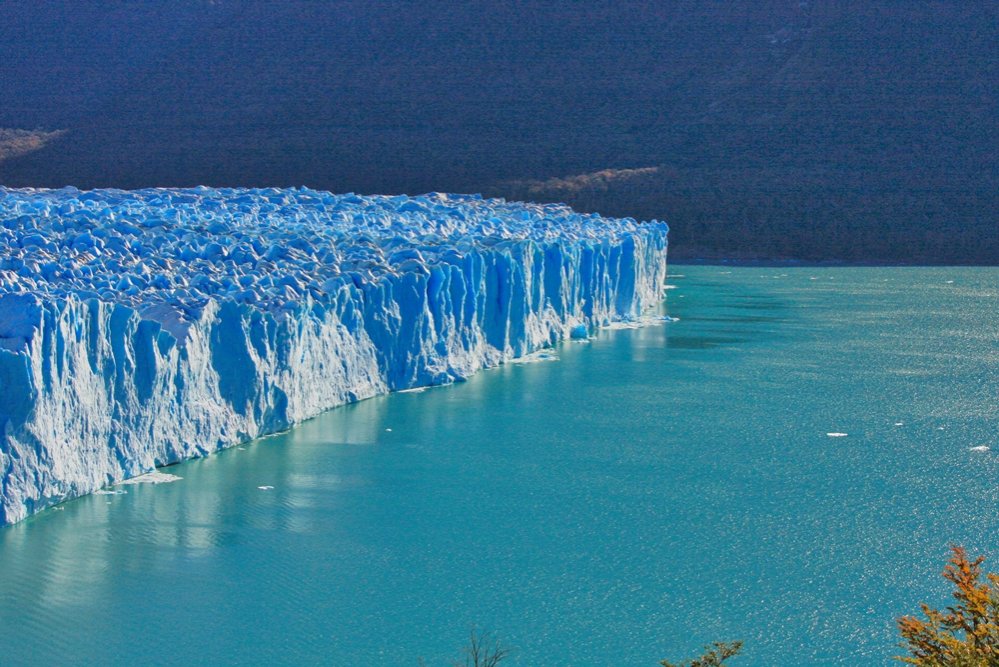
(858, 131)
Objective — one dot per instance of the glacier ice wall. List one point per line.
(140, 328)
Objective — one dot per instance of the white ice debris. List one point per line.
(534, 357)
(154, 477)
(640, 322)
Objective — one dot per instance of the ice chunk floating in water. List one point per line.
(142, 328)
(154, 477)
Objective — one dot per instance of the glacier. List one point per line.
(141, 328)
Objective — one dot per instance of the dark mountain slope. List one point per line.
(822, 130)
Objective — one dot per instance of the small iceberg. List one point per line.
(638, 323)
(535, 357)
(154, 477)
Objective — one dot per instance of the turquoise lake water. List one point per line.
(653, 490)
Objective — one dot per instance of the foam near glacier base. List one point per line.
(140, 328)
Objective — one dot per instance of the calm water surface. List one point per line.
(654, 490)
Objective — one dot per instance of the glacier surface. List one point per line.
(141, 328)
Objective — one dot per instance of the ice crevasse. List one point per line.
(141, 328)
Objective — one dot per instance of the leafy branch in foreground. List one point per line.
(964, 635)
(714, 655)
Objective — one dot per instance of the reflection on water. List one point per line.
(591, 511)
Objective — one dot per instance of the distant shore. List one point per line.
(804, 263)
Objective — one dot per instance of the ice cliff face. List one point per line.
(141, 328)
